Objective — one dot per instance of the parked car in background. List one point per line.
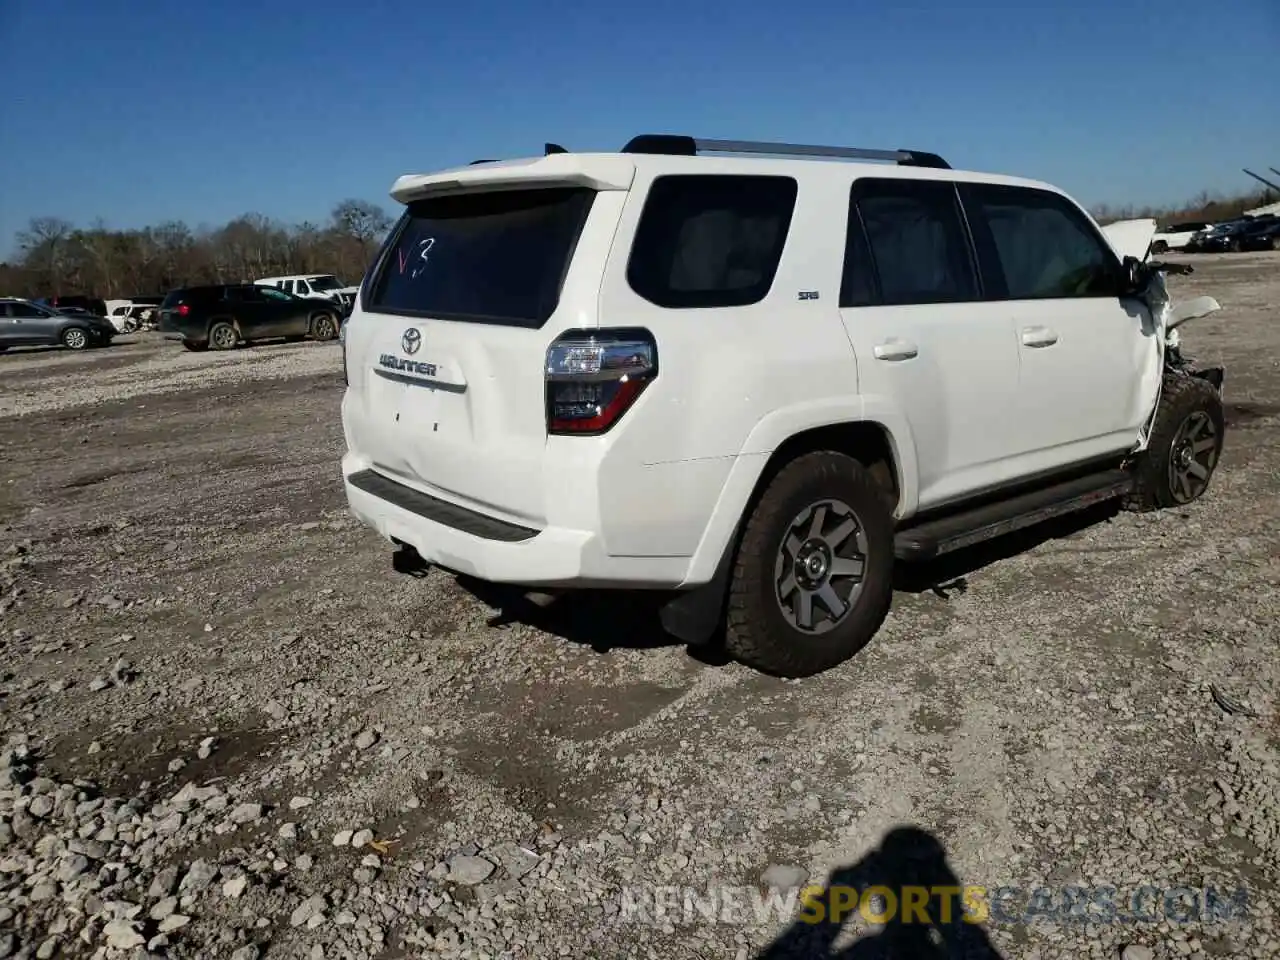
(128, 316)
(1264, 234)
(1219, 238)
(93, 305)
(225, 315)
(315, 286)
(1176, 236)
(25, 323)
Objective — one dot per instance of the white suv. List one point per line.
(755, 380)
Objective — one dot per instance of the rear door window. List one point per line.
(490, 257)
(916, 244)
(710, 240)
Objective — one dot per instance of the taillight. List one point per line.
(183, 310)
(594, 376)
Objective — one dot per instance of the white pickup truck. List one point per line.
(317, 286)
(1176, 236)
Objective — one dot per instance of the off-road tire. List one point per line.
(324, 326)
(757, 633)
(1183, 397)
(218, 339)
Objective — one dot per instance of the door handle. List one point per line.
(895, 350)
(1039, 337)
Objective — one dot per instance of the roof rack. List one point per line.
(674, 145)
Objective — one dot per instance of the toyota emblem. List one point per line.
(411, 340)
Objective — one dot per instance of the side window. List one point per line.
(25, 311)
(710, 240)
(1043, 246)
(858, 286)
(287, 286)
(917, 242)
(303, 288)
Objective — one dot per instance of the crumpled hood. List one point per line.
(1131, 238)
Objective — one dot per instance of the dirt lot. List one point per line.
(1093, 708)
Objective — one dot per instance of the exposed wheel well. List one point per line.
(864, 441)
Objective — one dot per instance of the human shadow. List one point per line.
(909, 863)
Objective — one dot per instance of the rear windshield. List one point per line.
(495, 257)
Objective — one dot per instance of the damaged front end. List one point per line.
(1147, 281)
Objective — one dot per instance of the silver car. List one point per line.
(24, 323)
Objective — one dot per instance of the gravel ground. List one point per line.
(230, 730)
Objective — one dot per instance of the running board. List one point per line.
(936, 537)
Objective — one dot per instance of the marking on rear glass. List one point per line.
(426, 245)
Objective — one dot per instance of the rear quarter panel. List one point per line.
(722, 371)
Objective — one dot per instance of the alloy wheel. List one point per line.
(1192, 457)
(820, 566)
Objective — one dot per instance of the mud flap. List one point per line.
(695, 616)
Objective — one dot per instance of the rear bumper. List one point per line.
(466, 542)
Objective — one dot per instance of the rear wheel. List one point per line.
(1186, 442)
(222, 336)
(324, 326)
(73, 338)
(813, 576)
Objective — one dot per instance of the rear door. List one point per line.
(446, 356)
(926, 343)
(10, 334)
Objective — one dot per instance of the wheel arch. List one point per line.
(693, 614)
(881, 442)
(74, 325)
(223, 318)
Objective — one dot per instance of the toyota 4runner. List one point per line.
(756, 379)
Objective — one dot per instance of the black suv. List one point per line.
(223, 316)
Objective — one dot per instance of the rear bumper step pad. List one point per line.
(439, 511)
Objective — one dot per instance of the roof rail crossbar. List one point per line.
(690, 146)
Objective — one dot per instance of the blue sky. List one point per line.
(137, 111)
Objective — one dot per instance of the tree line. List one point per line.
(1205, 208)
(57, 258)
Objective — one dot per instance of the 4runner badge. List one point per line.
(411, 340)
(390, 361)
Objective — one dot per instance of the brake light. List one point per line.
(593, 377)
(183, 310)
